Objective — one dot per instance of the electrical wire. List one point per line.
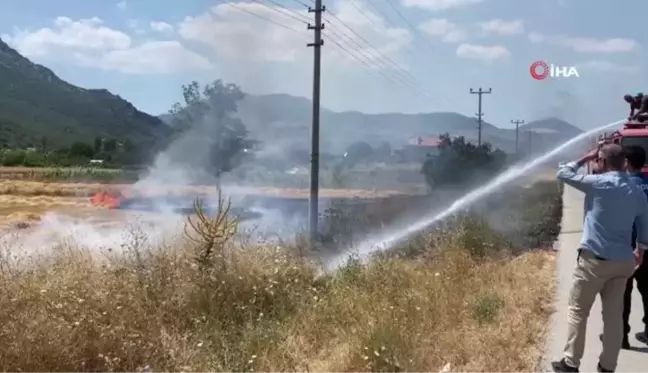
(348, 54)
(403, 78)
(400, 72)
(414, 29)
(260, 16)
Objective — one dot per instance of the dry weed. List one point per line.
(268, 309)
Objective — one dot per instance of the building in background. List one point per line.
(419, 148)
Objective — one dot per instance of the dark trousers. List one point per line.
(641, 276)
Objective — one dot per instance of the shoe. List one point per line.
(600, 369)
(561, 366)
(626, 342)
(642, 337)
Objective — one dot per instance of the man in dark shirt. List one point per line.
(636, 158)
(640, 103)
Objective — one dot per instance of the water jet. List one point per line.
(386, 241)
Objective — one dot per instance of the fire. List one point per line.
(105, 199)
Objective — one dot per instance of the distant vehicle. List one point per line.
(632, 133)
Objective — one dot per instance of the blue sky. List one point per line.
(144, 50)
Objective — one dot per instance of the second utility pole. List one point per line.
(517, 133)
(479, 113)
(317, 44)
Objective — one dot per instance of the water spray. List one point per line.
(386, 241)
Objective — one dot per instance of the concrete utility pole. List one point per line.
(517, 133)
(479, 108)
(317, 44)
(530, 141)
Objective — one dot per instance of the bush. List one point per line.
(211, 304)
(461, 163)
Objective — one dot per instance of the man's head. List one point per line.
(633, 99)
(636, 158)
(611, 157)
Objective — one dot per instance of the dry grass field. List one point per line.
(264, 308)
(206, 302)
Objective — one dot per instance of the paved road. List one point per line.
(629, 361)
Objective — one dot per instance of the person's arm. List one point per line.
(643, 108)
(568, 173)
(641, 225)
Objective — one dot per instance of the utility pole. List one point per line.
(530, 141)
(479, 113)
(517, 133)
(317, 44)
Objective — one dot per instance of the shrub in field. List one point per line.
(262, 308)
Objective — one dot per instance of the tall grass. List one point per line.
(208, 304)
(68, 174)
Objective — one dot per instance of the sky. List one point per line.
(378, 55)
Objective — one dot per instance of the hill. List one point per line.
(285, 120)
(37, 106)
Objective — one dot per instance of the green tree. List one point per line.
(209, 112)
(34, 159)
(128, 145)
(110, 145)
(461, 163)
(358, 152)
(98, 145)
(43, 144)
(12, 158)
(81, 150)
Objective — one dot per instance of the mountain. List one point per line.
(36, 106)
(552, 125)
(285, 120)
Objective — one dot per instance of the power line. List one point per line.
(385, 17)
(301, 2)
(294, 15)
(380, 28)
(376, 56)
(260, 16)
(517, 132)
(394, 78)
(402, 78)
(480, 114)
(414, 29)
(405, 73)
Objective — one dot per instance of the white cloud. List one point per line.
(155, 57)
(439, 5)
(161, 26)
(483, 52)
(249, 32)
(88, 34)
(448, 32)
(122, 5)
(608, 67)
(91, 43)
(502, 27)
(586, 45)
(136, 26)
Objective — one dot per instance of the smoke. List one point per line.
(189, 161)
(102, 236)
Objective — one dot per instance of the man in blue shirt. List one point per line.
(636, 159)
(613, 202)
